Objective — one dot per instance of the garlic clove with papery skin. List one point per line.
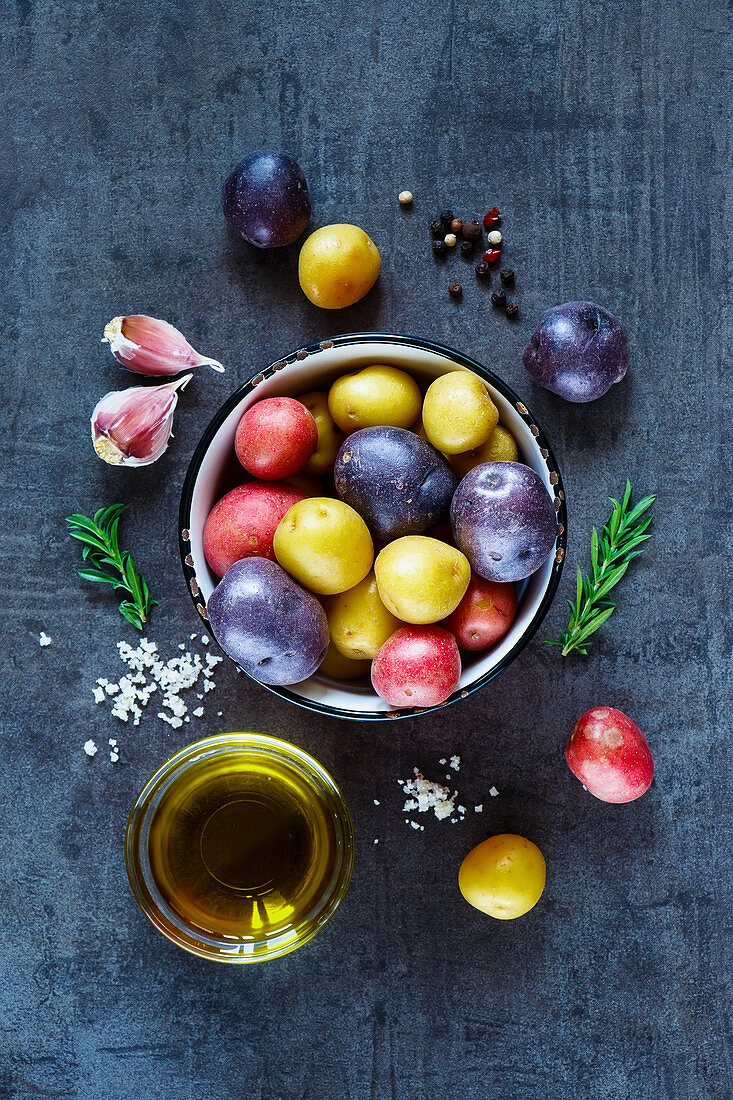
(132, 427)
(149, 346)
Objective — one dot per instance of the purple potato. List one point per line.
(395, 480)
(265, 200)
(503, 520)
(578, 350)
(265, 622)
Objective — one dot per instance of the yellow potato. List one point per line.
(499, 447)
(324, 545)
(330, 438)
(375, 396)
(458, 413)
(341, 668)
(503, 876)
(420, 579)
(338, 265)
(359, 622)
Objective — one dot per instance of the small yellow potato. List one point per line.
(503, 876)
(338, 265)
(501, 446)
(359, 622)
(375, 396)
(324, 545)
(458, 413)
(341, 668)
(330, 438)
(420, 579)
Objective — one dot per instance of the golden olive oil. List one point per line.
(241, 846)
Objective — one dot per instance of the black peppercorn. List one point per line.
(467, 248)
(498, 299)
(440, 247)
(455, 290)
(482, 270)
(437, 228)
(471, 231)
(507, 276)
(446, 217)
(512, 310)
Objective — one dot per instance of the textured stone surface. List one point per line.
(603, 136)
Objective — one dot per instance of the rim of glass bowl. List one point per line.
(164, 918)
(298, 355)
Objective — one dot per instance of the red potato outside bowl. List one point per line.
(275, 438)
(484, 615)
(608, 753)
(418, 666)
(243, 523)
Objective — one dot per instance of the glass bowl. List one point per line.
(160, 880)
(214, 470)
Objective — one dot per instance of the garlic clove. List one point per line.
(132, 427)
(149, 346)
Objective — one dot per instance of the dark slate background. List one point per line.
(603, 135)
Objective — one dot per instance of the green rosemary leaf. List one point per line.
(100, 550)
(611, 552)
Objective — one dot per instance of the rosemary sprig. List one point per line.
(106, 563)
(620, 541)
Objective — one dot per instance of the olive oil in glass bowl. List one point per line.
(239, 848)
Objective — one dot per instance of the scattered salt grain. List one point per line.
(147, 673)
(493, 792)
(478, 809)
(193, 637)
(443, 761)
(376, 801)
(205, 639)
(455, 763)
(114, 757)
(44, 639)
(198, 712)
(112, 742)
(90, 748)
(376, 841)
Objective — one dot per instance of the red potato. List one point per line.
(608, 753)
(275, 438)
(484, 615)
(243, 523)
(418, 666)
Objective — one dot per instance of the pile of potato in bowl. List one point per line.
(373, 526)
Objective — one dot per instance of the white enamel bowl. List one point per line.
(214, 470)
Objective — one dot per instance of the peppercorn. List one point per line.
(437, 228)
(507, 276)
(491, 255)
(482, 270)
(450, 240)
(467, 248)
(512, 310)
(456, 225)
(404, 198)
(498, 299)
(492, 218)
(495, 237)
(440, 247)
(455, 290)
(446, 217)
(471, 231)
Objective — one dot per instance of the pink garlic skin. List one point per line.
(132, 427)
(149, 346)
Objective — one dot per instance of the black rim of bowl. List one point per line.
(297, 356)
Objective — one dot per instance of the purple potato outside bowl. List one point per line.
(265, 622)
(395, 480)
(504, 521)
(265, 200)
(578, 350)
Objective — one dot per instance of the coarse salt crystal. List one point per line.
(478, 809)
(376, 841)
(89, 747)
(493, 792)
(204, 639)
(376, 801)
(114, 757)
(99, 695)
(455, 763)
(44, 639)
(198, 712)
